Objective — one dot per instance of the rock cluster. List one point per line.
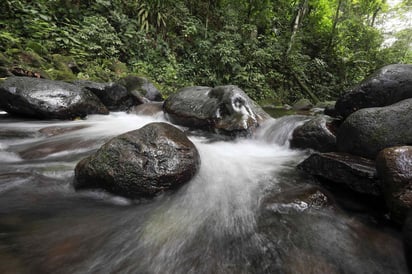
(373, 128)
(40, 98)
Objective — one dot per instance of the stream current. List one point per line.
(248, 210)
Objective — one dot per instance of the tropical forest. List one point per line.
(206, 136)
(277, 50)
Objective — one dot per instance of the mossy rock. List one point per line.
(302, 104)
(120, 69)
(62, 67)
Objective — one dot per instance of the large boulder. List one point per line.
(223, 109)
(386, 86)
(351, 172)
(317, 133)
(394, 167)
(369, 130)
(140, 163)
(141, 88)
(47, 99)
(114, 96)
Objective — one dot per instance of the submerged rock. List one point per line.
(355, 173)
(140, 163)
(223, 109)
(386, 86)
(114, 96)
(394, 167)
(47, 99)
(317, 133)
(369, 130)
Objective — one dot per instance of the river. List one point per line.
(248, 210)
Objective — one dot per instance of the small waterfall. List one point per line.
(279, 131)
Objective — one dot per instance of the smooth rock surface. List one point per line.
(394, 167)
(47, 99)
(223, 109)
(114, 96)
(386, 86)
(352, 172)
(369, 130)
(317, 133)
(140, 163)
(141, 87)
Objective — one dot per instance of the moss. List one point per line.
(120, 69)
(31, 59)
(61, 68)
(4, 60)
(37, 48)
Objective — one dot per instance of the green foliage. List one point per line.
(254, 44)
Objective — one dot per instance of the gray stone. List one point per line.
(47, 99)
(317, 133)
(302, 104)
(386, 86)
(394, 167)
(369, 130)
(141, 87)
(114, 96)
(223, 109)
(140, 163)
(355, 173)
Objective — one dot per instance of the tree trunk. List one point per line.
(335, 23)
(300, 14)
(375, 14)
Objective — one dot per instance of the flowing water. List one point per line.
(248, 210)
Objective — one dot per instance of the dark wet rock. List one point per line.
(143, 162)
(355, 173)
(223, 109)
(407, 240)
(369, 130)
(317, 133)
(386, 86)
(298, 198)
(114, 96)
(141, 87)
(148, 109)
(302, 104)
(394, 167)
(330, 111)
(46, 99)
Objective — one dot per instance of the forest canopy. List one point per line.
(273, 49)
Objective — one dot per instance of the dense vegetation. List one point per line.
(279, 50)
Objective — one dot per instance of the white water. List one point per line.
(242, 213)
